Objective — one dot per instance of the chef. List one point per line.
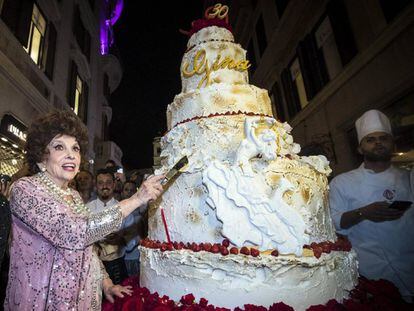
(360, 203)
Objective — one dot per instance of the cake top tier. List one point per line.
(212, 56)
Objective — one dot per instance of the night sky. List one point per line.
(151, 48)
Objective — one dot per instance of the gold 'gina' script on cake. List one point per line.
(202, 68)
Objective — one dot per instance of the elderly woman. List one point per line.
(53, 265)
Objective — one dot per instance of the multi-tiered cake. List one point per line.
(247, 221)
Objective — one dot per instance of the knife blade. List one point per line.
(175, 169)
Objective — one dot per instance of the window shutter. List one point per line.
(341, 27)
(51, 49)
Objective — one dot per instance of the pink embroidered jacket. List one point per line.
(51, 261)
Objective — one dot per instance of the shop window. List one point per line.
(34, 46)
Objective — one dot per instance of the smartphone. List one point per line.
(401, 205)
(120, 170)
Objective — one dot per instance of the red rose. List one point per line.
(274, 253)
(249, 307)
(317, 308)
(203, 302)
(280, 306)
(225, 243)
(187, 299)
(161, 308)
(133, 304)
(234, 250)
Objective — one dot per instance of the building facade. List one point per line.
(325, 62)
(57, 54)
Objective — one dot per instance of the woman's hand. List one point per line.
(149, 190)
(113, 291)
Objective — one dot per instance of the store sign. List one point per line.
(13, 129)
(17, 132)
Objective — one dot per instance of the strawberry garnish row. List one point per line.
(342, 244)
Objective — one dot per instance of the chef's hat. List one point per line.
(370, 122)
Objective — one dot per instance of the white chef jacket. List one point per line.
(385, 249)
(114, 252)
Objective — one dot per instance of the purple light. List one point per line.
(113, 10)
(119, 6)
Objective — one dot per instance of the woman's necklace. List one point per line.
(65, 195)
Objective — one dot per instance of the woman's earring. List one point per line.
(42, 167)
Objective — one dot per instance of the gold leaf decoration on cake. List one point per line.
(193, 216)
(287, 197)
(273, 179)
(305, 192)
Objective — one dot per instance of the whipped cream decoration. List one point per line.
(319, 163)
(266, 139)
(251, 212)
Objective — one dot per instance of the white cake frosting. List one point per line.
(235, 280)
(212, 33)
(218, 98)
(244, 182)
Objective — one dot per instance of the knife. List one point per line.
(175, 170)
(171, 173)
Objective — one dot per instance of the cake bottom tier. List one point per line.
(235, 280)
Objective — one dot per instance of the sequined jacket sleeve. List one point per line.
(44, 214)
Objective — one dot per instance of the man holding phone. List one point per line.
(361, 202)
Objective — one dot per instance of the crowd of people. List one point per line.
(72, 235)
